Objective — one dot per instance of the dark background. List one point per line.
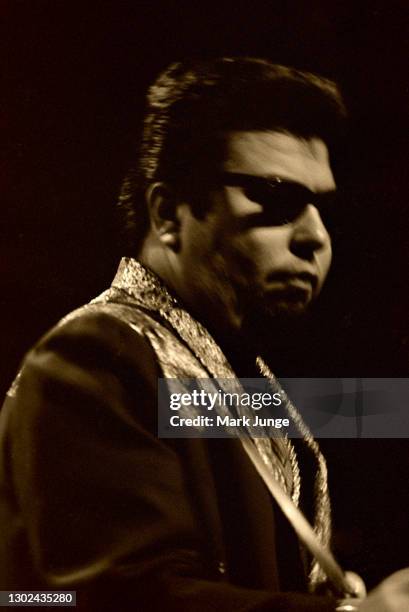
(75, 76)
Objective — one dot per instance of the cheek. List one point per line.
(258, 250)
(197, 247)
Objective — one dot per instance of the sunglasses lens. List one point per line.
(282, 202)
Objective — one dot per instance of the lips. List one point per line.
(302, 280)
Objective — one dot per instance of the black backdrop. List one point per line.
(75, 79)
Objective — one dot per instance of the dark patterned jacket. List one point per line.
(91, 500)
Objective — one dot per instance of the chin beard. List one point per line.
(279, 321)
(283, 309)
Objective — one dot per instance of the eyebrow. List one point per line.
(272, 177)
(275, 177)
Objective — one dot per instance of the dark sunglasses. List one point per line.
(282, 200)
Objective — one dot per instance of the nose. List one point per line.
(309, 233)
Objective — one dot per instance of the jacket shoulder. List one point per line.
(93, 339)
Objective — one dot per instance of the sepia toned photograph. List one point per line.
(205, 341)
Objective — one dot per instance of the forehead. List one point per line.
(271, 153)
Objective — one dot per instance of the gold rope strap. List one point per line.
(300, 524)
(322, 522)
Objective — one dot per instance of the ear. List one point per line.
(162, 205)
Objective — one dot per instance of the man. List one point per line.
(225, 209)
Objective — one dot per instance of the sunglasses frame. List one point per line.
(280, 215)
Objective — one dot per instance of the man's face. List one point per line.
(248, 256)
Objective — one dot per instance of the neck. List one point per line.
(201, 296)
(241, 339)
